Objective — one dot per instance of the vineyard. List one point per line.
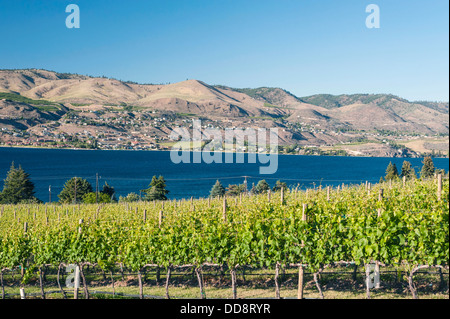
(402, 225)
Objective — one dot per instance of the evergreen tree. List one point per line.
(428, 168)
(217, 190)
(109, 191)
(413, 174)
(391, 172)
(262, 187)
(278, 186)
(157, 190)
(74, 190)
(235, 190)
(408, 171)
(17, 187)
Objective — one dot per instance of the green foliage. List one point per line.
(17, 187)
(262, 187)
(39, 104)
(130, 198)
(235, 190)
(335, 101)
(109, 191)
(391, 172)
(217, 190)
(157, 190)
(74, 190)
(408, 171)
(279, 185)
(411, 230)
(91, 198)
(428, 168)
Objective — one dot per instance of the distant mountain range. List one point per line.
(32, 97)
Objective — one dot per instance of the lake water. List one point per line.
(132, 171)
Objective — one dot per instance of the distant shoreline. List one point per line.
(85, 149)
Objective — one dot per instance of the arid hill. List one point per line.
(33, 97)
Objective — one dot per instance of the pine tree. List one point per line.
(109, 191)
(157, 190)
(262, 187)
(235, 190)
(413, 174)
(408, 171)
(17, 187)
(217, 190)
(391, 172)
(74, 190)
(278, 186)
(428, 168)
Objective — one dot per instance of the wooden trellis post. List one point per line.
(79, 228)
(380, 199)
(300, 282)
(224, 209)
(300, 268)
(439, 190)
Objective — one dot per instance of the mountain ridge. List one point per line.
(311, 120)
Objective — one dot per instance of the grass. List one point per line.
(336, 283)
(42, 105)
(424, 145)
(186, 114)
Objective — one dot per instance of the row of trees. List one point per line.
(262, 187)
(428, 171)
(18, 188)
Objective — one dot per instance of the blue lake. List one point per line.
(132, 171)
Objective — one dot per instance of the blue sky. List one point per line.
(304, 46)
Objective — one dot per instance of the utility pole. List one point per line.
(245, 183)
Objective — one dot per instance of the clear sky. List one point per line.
(304, 46)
